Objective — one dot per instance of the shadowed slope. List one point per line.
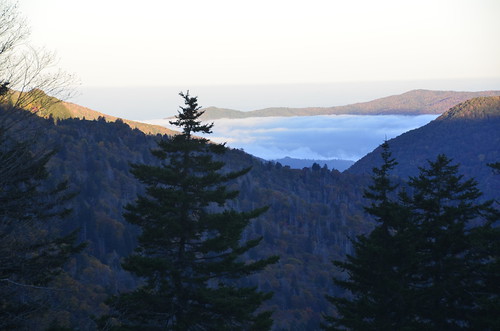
(468, 133)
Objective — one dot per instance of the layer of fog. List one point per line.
(347, 137)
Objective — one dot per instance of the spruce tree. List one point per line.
(190, 251)
(430, 263)
(456, 249)
(378, 270)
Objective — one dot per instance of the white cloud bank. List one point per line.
(348, 137)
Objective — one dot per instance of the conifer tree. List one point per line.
(452, 267)
(32, 250)
(431, 261)
(377, 271)
(190, 251)
(486, 241)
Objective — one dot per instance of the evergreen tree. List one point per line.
(378, 270)
(431, 261)
(32, 250)
(190, 249)
(457, 249)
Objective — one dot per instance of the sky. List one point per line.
(225, 42)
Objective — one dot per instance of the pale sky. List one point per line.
(230, 42)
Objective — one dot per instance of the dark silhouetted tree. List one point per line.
(452, 265)
(190, 250)
(32, 249)
(377, 272)
(431, 261)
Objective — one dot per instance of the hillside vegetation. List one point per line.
(311, 215)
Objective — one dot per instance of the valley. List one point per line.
(313, 212)
(263, 166)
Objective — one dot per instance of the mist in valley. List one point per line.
(347, 137)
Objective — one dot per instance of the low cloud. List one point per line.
(348, 137)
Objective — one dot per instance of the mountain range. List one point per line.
(414, 102)
(313, 212)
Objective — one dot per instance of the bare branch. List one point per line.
(13, 28)
(34, 79)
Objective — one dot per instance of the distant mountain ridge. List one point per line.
(414, 102)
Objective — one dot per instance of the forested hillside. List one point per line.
(312, 214)
(468, 133)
